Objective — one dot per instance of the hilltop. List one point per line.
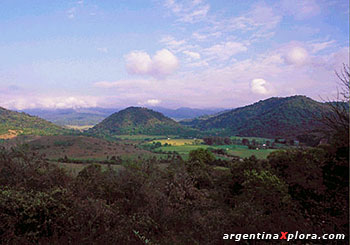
(13, 123)
(271, 118)
(138, 120)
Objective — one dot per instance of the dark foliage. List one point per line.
(190, 202)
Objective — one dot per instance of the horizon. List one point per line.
(171, 54)
(218, 109)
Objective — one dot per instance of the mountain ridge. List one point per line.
(273, 117)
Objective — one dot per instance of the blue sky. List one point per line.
(169, 53)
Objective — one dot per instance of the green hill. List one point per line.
(137, 120)
(275, 117)
(14, 123)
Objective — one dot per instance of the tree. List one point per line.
(337, 122)
(201, 155)
(245, 142)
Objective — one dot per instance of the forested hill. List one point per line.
(13, 123)
(275, 117)
(137, 120)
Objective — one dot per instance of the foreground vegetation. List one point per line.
(189, 202)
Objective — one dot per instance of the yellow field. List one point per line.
(179, 142)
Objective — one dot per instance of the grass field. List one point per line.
(179, 142)
(243, 151)
(236, 150)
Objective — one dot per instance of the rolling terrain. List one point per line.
(81, 147)
(272, 118)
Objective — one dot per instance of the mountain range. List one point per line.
(276, 117)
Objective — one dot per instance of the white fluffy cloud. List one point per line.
(138, 62)
(162, 64)
(258, 86)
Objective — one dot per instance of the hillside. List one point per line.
(275, 117)
(14, 123)
(137, 120)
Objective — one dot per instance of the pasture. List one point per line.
(234, 150)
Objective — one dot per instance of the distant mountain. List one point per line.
(137, 120)
(185, 112)
(13, 123)
(275, 117)
(78, 117)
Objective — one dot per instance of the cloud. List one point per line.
(138, 62)
(296, 56)
(174, 45)
(153, 102)
(71, 12)
(188, 11)
(316, 47)
(162, 64)
(300, 9)
(258, 86)
(52, 102)
(226, 50)
(192, 55)
(121, 83)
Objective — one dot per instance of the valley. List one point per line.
(137, 160)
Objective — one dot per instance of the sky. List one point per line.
(169, 53)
